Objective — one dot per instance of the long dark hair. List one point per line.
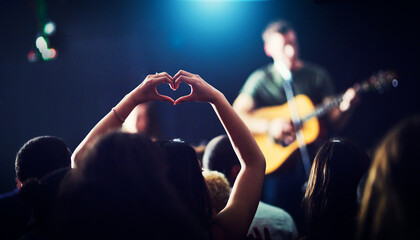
(330, 199)
(186, 175)
(121, 191)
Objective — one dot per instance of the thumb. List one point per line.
(162, 97)
(183, 99)
(165, 98)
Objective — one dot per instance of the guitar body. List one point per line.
(275, 153)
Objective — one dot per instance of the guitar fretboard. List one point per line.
(376, 82)
(322, 110)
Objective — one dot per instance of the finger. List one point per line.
(181, 78)
(161, 74)
(257, 233)
(183, 99)
(165, 74)
(166, 98)
(164, 79)
(186, 79)
(288, 128)
(350, 94)
(177, 80)
(171, 85)
(250, 237)
(163, 97)
(266, 234)
(289, 139)
(182, 72)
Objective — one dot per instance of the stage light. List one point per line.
(48, 54)
(41, 43)
(32, 56)
(53, 53)
(46, 28)
(49, 28)
(43, 50)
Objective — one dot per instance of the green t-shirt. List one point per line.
(265, 85)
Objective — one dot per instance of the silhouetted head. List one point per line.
(186, 176)
(121, 191)
(331, 195)
(390, 202)
(219, 189)
(220, 156)
(40, 156)
(277, 26)
(40, 196)
(280, 42)
(143, 119)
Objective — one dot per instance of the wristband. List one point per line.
(117, 115)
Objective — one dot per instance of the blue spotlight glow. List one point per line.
(222, 0)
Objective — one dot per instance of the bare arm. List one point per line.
(236, 217)
(146, 91)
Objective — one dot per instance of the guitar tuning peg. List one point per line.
(394, 83)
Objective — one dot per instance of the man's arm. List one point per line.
(244, 105)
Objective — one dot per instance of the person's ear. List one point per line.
(18, 183)
(266, 50)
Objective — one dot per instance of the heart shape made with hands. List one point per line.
(182, 90)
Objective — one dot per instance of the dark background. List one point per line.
(106, 48)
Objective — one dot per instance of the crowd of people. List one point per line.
(125, 182)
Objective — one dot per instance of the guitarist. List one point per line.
(265, 87)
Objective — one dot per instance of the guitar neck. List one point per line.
(376, 82)
(333, 103)
(324, 109)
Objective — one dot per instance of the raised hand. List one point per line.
(282, 129)
(350, 99)
(147, 90)
(201, 91)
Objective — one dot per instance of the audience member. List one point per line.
(390, 202)
(331, 195)
(41, 196)
(143, 119)
(120, 191)
(14, 215)
(185, 175)
(220, 156)
(234, 220)
(219, 189)
(199, 150)
(36, 158)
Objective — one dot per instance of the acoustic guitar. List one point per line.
(275, 152)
